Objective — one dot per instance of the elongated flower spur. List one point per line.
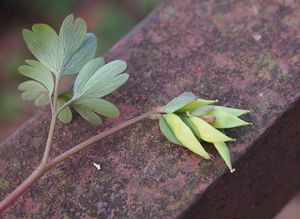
(187, 120)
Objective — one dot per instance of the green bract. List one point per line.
(167, 131)
(179, 102)
(185, 135)
(70, 52)
(187, 120)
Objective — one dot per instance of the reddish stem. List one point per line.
(45, 167)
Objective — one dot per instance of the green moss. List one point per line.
(15, 164)
(169, 13)
(3, 184)
(9, 152)
(66, 216)
(268, 62)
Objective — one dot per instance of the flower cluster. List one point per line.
(188, 120)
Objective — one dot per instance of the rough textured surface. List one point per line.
(246, 54)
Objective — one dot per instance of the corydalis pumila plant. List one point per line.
(184, 121)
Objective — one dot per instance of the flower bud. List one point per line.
(207, 132)
(225, 119)
(195, 104)
(185, 135)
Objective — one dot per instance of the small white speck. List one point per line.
(261, 94)
(255, 9)
(148, 74)
(97, 165)
(256, 36)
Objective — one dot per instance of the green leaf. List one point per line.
(224, 152)
(38, 72)
(225, 119)
(83, 55)
(102, 82)
(71, 35)
(34, 90)
(179, 102)
(233, 111)
(42, 42)
(85, 74)
(99, 106)
(88, 115)
(165, 129)
(202, 110)
(65, 116)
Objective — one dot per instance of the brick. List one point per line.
(246, 54)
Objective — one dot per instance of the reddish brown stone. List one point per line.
(246, 54)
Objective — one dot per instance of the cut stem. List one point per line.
(45, 167)
(23, 187)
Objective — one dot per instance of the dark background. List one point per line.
(108, 19)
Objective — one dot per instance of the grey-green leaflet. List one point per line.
(65, 53)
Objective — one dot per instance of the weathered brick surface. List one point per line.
(246, 54)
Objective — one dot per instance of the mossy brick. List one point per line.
(244, 53)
